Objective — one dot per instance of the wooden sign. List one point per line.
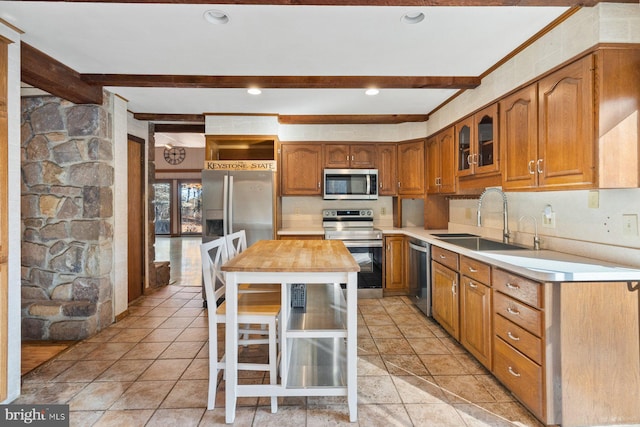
(240, 165)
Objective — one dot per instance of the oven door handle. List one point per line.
(363, 243)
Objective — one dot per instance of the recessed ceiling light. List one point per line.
(372, 91)
(216, 16)
(254, 91)
(412, 17)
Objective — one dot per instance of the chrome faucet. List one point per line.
(505, 219)
(536, 239)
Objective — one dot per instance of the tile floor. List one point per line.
(150, 369)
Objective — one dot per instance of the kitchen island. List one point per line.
(307, 337)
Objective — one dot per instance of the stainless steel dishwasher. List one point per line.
(420, 274)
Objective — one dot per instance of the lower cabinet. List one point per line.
(394, 265)
(475, 309)
(444, 290)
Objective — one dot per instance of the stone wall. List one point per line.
(67, 218)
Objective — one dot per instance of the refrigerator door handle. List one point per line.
(225, 204)
(230, 205)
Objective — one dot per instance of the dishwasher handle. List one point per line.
(422, 249)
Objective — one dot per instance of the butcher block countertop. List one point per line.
(294, 256)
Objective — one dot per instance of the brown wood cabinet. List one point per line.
(394, 264)
(301, 171)
(477, 148)
(519, 339)
(475, 309)
(354, 156)
(445, 279)
(387, 164)
(411, 172)
(440, 163)
(546, 131)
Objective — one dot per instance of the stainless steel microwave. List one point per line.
(350, 184)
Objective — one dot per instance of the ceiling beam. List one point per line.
(409, 3)
(158, 117)
(351, 119)
(42, 71)
(178, 128)
(283, 82)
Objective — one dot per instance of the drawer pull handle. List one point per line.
(472, 285)
(442, 256)
(473, 270)
(513, 337)
(512, 372)
(512, 311)
(453, 288)
(510, 286)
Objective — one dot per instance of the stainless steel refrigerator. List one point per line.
(237, 200)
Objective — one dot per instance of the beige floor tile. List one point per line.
(98, 396)
(197, 370)
(216, 417)
(124, 418)
(176, 322)
(428, 346)
(413, 389)
(84, 371)
(443, 364)
(131, 335)
(494, 387)
(198, 322)
(77, 351)
(377, 319)
(48, 393)
(393, 346)
(165, 369)
(384, 331)
(108, 333)
(187, 394)
(367, 346)
(173, 302)
(404, 364)
(151, 301)
(110, 351)
(371, 365)
(463, 389)
(125, 370)
(328, 415)
(182, 350)
(471, 363)
(138, 310)
(419, 331)
(146, 350)
(383, 415)
(163, 335)
(194, 334)
(287, 416)
(434, 415)
(377, 390)
(176, 417)
(84, 418)
(144, 395)
(48, 371)
(162, 311)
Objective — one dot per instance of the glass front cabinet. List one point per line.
(477, 143)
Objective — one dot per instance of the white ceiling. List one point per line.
(266, 40)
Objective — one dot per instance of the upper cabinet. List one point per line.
(546, 131)
(411, 158)
(301, 169)
(477, 143)
(387, 163)
(440, 163)
(345, 156)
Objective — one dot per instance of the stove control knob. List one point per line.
(369, 213)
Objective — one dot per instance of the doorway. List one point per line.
(135, 226)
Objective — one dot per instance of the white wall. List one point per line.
(120, 272)
(14, 226)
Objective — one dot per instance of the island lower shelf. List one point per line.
(317, 362)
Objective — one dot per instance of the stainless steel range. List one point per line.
(355, 228)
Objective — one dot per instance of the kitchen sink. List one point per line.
(454, 235)
(476, 243)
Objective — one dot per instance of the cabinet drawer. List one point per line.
(445, 257)
(520, 314)
(521, 339)
(518, 287)
(475, 269)
(522, 376)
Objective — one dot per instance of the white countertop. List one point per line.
(542, 265)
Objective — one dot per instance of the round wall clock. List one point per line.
(174, 155)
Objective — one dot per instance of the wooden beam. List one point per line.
(178, 128)
(283, 82)
(156, 117)
(360, 119)
(42, 71)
